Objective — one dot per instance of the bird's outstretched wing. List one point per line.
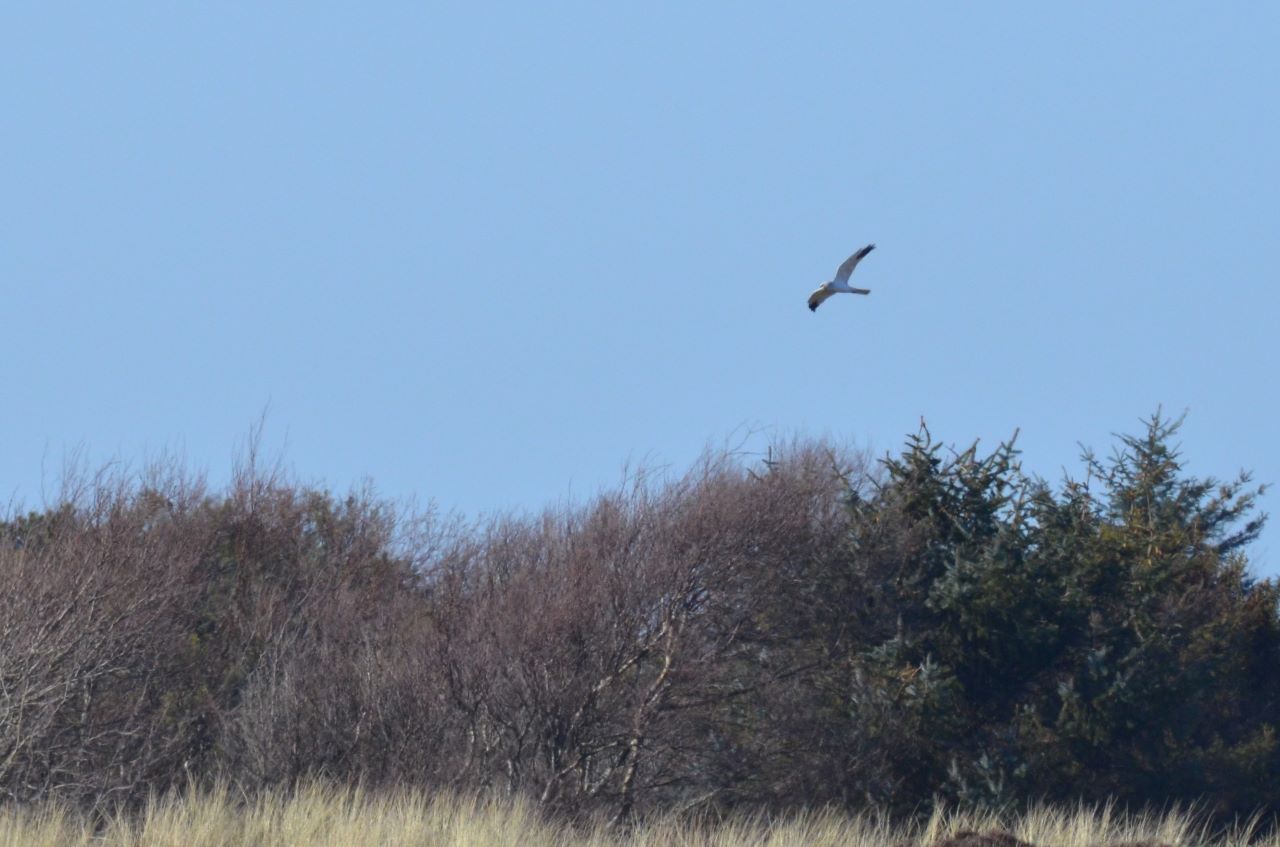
(846, 269)
(816, 298)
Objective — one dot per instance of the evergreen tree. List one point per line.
(994, 640)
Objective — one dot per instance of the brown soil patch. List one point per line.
(996, 838)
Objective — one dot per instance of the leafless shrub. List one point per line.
(589, 657)
(88, 593)
(586, 650)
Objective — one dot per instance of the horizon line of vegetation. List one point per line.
(817, 629)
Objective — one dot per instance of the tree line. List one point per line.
(822, 628)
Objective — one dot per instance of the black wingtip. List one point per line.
(813, 307)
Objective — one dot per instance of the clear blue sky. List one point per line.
(486, 254)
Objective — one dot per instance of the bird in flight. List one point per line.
(841, 283)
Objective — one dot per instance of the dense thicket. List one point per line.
(817, 629)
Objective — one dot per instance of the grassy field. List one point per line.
(320, 815)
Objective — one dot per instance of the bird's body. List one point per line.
(840, 285)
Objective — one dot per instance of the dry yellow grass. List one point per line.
(326, 816)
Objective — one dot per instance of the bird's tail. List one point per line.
(860, 290)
